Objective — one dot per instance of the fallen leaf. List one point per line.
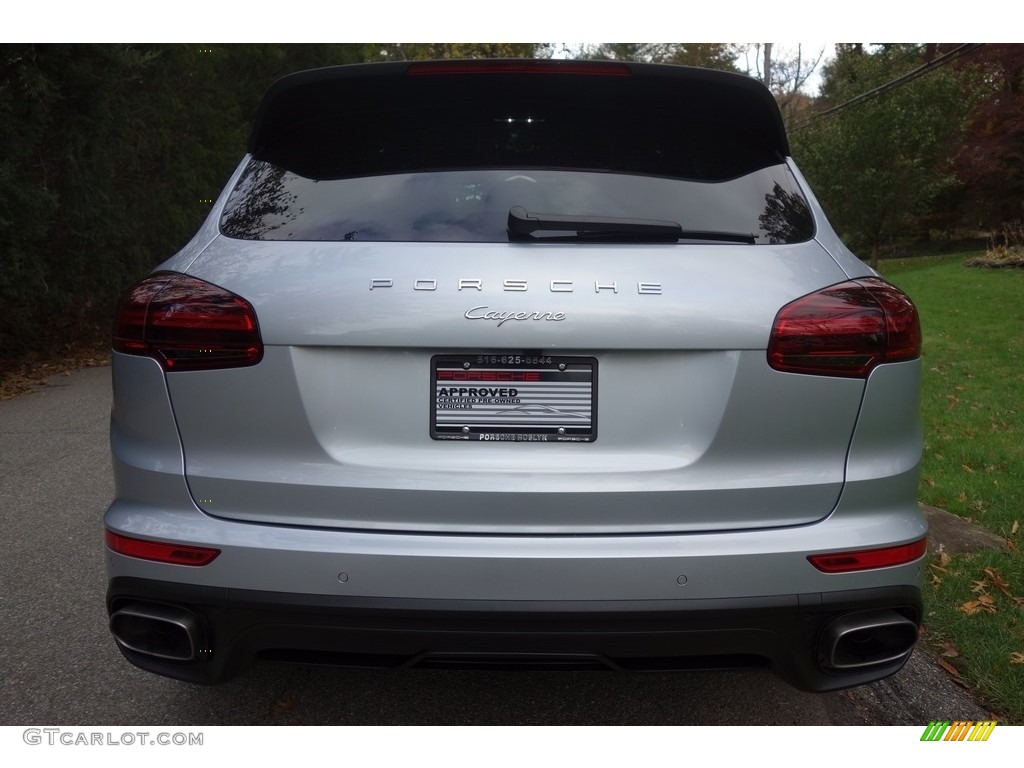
(1015, 527)
(997, 581)
(978, 586)
(967, 469)
(949, 650)
(1016, 657)
(948, 667)
(980, 605)
(944, 558)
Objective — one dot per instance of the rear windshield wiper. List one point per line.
(523, 225)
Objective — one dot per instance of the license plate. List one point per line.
(521, 398)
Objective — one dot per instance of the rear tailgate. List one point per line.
(692, 431)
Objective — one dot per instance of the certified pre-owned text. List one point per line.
(477, 391)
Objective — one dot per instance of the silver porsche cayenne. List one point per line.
(516, 363)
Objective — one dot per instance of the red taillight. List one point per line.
(519, 66)
(845, 330)
(866, 559)
(161, 552)
(187, 324)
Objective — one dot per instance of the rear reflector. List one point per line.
(867, 559)
(187, 324)
(161, 552)
(845, 330)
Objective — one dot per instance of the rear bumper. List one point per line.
(796, 635)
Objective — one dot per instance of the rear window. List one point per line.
(271, 203)
(446, 159)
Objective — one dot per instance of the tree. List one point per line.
(420, 51)
(710, 55)
(785, 72)
(991, 162)
(882, 150)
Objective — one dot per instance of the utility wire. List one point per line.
(906, 77)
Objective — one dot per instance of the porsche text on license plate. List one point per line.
(513, 398)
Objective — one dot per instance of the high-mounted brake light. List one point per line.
(519, 66)
(161, 552)
(187, 324)
(867, 559)
(845, 330)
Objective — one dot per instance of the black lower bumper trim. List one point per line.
(783, 632)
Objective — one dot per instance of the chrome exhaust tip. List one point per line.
(868, 639)
(155, 630)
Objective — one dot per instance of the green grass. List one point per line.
(973, 464)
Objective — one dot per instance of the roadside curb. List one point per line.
(955, 536)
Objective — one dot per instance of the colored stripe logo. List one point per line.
(958, 730)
